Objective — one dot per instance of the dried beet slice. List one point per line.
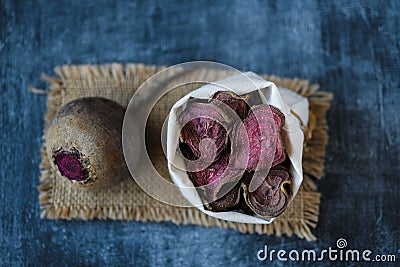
(202, 122)
(186, 151)
(279, 120)
(280, 154)
(270, 199)
(227, 202)
(232, 101)
(261, 136)
(216, 181)
(263, 130)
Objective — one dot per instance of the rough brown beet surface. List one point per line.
(202, 121)
(272, 196)
(84, 142)
(232, 101)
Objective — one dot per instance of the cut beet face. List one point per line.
(230, 100)
(204, 130)
(218, 183)
(270, 199)
(70, 166)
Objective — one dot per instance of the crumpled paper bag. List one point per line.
(284, 99)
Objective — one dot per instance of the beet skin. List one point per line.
(84, 142)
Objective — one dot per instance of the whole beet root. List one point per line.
(83, 142)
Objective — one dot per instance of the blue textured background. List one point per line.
(351, 48)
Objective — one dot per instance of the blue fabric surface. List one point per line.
(351, 48)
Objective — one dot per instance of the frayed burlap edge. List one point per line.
(135, 74)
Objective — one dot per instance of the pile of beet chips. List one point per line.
(226, 141)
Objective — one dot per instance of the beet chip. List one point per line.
(202, 121)
(279, 120)
(261, 134)
(263, 128)
(218, 179)
(228, 201)
(232, 101)
(272, 196)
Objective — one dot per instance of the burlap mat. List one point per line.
(126, 201)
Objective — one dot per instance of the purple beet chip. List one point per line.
(228, 201)
(263, 135)
(204, 130)
(70, 166)
(232, 101)
(270, 199)
(279, 120)
(217, 182)
(280, 154)
(259, 132)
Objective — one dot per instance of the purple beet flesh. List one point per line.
(271, 198)
(200, 122)
(215, 177)
(232, 101)
(70, 166)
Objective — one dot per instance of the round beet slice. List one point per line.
(218, 184)
(262, 130)
(204, 130)
(270, 199)
(230, 100)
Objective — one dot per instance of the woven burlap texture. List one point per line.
(126, 201)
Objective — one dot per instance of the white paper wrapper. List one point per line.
(248, 82)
